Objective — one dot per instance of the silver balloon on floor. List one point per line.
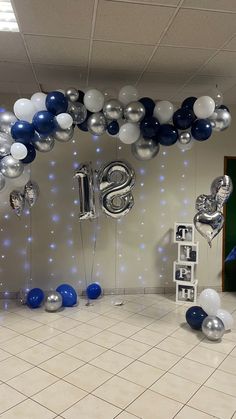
(53, 301)
(213, 328)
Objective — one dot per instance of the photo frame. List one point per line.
(183, 271)
(188, 252)
(185, 292)
(183, 232)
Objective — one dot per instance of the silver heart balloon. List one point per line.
(209, 225)
(31, 192)
(17, 202)
(221, 189)
(206, 203)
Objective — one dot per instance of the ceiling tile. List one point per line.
(59, 76)
(55, 17)
(126, 22)
(224, 5)
(224, 63)
(161, 86)
(202, 85)
(180, 60)
(7, 100)
(12, 47)
(230, 96)
(115, 79)
(16, 72)
(120, 56)
(59, 51)
(156, 2)
(199, 28)
(231, 45)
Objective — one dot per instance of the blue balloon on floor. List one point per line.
(35, 297)
(195, 316)
(43, 122)
(94, 291)
(69, 295)
(56, 103)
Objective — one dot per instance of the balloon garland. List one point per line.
(38, 122)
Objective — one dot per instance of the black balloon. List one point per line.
(148, 104)
(31, 154)
(201, 129)
(167, 135)
(149, 127)
(189, 102)
(183, 118)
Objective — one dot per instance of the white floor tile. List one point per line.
(190, 413)
(86, 407)
(38, 354)
(32, 381)
(142, 374)
(222, 381)
(61, 365)
(206, 356)
(9, 397)
(62, 342)
(175, 387)
(11, 367)
(86, 351)
(124, 329)
(214, 403)
(111, 361)
(175, 346)
(107, 339)
(131, 348)
(18, 344)
(88, 377)
(191, 370)
(28, 409)
(160, 359)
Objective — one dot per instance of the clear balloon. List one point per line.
(221, 189)
(5, 148)
(53, 301)
(63, 135)
(113, 109)
(2, 182)
(78, 112)
(129, 133)
(85, 178)
(17, 202)
(31, 193)
(163, 111)
(7, 119)
(220, 120)
(116, 181)
(72, 94)
(217, 96)
(24, 109)
(185, 147)
(209, 225)
(145, 149)
(94, 100)
(18, 151)
(213, 328)
(134, 112)
(204, 107)
(6, 137)
(185, 137)
(128, 94)
(206, 203)
(39, 101)
(11, 167)
(209, 300)
(97, 123)
(110, 92)
(64, 120)
(44, 144)
(226, 318)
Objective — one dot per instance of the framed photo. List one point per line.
(188, 252)
(183, 272)
(186, 292)
(183, 232)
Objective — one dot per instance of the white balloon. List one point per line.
(24, 109)
(226, 318)
(204, 107)
(129, 133)
(39, 101)
(18, 151)
(209, 300)
(94, 100)
(163, 111)
(64, 120)
(128, 94)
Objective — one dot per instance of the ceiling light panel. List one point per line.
(8, 21)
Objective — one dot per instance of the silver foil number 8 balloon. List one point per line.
(116, 180)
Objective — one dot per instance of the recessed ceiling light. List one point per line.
(7, 17)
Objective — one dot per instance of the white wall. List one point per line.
(136, 251)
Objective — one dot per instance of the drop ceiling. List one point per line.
(168, 48)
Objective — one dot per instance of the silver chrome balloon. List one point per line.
(22, 296)
(209, 225)
(44, 144)
(17, 202)
(2, 181)
(116, 180)
(5, 148)
(113, 109)
(145, 149)
(78, 112)
(184, 137)
(53, 301)
(213, 328)
(7, 119)
(220, 120)
(221, 189)
(206, 203)
(72, 94)
(85, 178)
(63, 135)
(11, 167)
(97, 123)
(31, 192)
(134, 112)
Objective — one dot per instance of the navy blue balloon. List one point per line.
(201, 129)
(167, 135)
(81, 96)
(195, 316)
(94, 291)
(84, 125)
(183, 118)
(35, 297)
(149, 127)
(224, 108)
(69, 295)
(56, 103)
(22, 130)
(148, 104)
(113, 128)
(189, 102)
(31, 154)
(44, 122)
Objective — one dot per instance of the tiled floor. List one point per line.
(138, 360)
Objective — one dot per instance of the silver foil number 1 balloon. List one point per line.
(84, 175)
(116, 180)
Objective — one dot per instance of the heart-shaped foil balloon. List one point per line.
(209, 225)
(31, 192)
(221, 189)
(206, 203)
(17, 202)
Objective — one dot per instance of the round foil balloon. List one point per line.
(63, 135)
(5, 148)
(11, 167)
(213, 328)
(44, 144)
(97, 123)
(220, 120)
(185, 137)
(145, 149)
(72, 94)
(78, 112)
(7, 119)
(113, 109)
(53, 301)
(134, 112)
